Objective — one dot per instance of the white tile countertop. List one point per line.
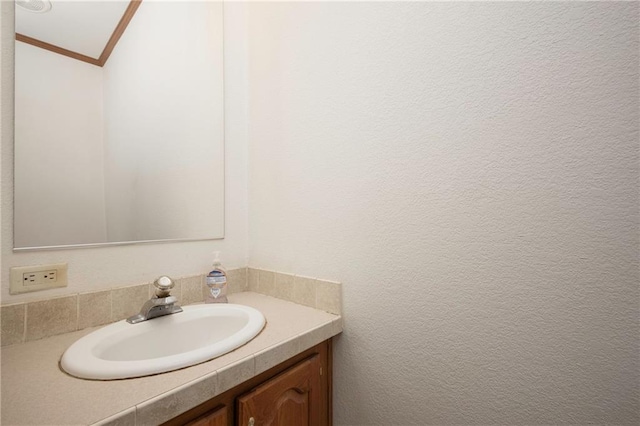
(36, 392)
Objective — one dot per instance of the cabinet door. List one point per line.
(291, 398)
(215, 417)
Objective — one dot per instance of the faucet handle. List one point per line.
(163, 285)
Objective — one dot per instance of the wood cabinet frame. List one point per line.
(227, 400)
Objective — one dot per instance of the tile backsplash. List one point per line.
(23, 322)
(312, 292)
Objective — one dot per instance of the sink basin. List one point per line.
(197, 334)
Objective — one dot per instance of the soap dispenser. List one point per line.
(216, 281)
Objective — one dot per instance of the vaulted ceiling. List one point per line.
(87, 30)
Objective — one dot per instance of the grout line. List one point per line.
(111, 306)
(315, 294)
(256, 273)
(314, 286)
(24, 326)
(245, 282)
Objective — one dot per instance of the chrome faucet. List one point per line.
(160, 305)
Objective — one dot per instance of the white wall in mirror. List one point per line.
(92, 269)
(131, 151)
(59, 189)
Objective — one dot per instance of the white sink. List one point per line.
(199, 333)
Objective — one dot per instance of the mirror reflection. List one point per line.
(118, 122)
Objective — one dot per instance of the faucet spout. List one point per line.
(160, 305)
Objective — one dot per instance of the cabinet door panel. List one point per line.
(292, 408)
(291, 398)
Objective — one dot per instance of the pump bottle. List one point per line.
(216, 281)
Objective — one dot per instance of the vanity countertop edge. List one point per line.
(36, 391)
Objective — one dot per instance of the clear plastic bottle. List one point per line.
(216, 280)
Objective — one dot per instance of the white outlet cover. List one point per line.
(18, 283)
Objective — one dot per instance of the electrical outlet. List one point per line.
(34, 278)
(40, 277)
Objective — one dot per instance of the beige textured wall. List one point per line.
(469, 172)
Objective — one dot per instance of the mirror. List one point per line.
(119, 122)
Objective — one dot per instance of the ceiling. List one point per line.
(83, 26)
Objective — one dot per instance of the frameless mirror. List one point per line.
(118, 122)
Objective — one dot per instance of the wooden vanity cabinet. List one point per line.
(296, 392)
(216, 417)
(291, 398)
